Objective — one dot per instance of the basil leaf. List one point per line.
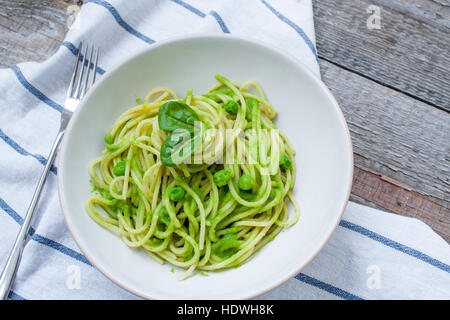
(167, 149)
(177, 147)
(176, 115)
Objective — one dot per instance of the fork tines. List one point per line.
(81, 74)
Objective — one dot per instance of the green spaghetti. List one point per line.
(202, 182)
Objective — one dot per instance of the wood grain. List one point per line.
(411, 51)
(378, 192)
(393, 134)
(30, 30)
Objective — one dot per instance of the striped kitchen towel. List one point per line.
(372, 254)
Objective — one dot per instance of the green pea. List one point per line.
(109, 138)
(222, 177)
(231, 107)
(251, 103)
(119, 168)
(285, 162)
(176, 194)
(245, 182)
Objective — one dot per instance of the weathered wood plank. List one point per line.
(375, 191)
(393, 134)
(30, 30)
(401, 153)
(411, 51)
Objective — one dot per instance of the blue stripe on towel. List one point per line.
(293, 26)
(24, 152)
(120, 21)
(203, 15)
(327, 287)
(220, 21)
(395, 245)
(38, 94)
(43, 240)
(190, 8)
(143, 37)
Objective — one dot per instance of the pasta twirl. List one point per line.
(201, 182)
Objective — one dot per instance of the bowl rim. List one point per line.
(182, 38)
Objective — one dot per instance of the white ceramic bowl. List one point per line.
(307, 113)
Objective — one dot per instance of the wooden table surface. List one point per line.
(392, 83)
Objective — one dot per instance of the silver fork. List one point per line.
(79, 84)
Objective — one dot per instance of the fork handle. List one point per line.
(12, 263)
